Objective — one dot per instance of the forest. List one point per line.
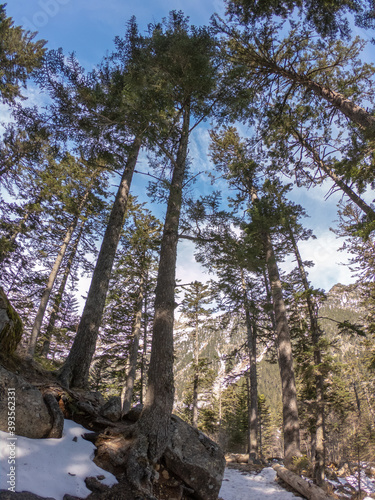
(256, 357)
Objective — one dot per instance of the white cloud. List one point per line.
(329, 267)
(187, 269)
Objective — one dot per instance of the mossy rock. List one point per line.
(11, 327)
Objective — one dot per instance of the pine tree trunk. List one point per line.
(319, 449)
(254, 420)
(52, 278)
(196, 375)
(154, 422)
(144, 351)
(304, 487)
(133, 356)
(336, 179)
(285, 357)
(271, 313)
(57, 302)
(352, 111)
(75, 371)
(253, 379)
(355, 113)
(260, 428)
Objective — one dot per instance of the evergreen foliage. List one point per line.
(229, 363)
(19, 57)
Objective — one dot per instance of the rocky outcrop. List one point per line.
(191, 467)
(195, 459)
(23, 404)
(191, 463)
(10, 326)
(111, 409)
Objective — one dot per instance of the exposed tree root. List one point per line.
(139, 470)
(56, 414)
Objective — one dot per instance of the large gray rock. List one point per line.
(112, 409)
(195, 459)
(25, 403)
(191, 457)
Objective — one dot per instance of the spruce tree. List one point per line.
(232, 156)
(329, 18)
(326, 70)
(295, 232)
(75, 370)
(53, 274)
(59, 295)
(197, 295)
(143, 243)
(19, 57)
(183, 56)
(126, 71)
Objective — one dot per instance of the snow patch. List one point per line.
(52, 467)
(243, 486)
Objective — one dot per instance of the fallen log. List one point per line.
(306, 488)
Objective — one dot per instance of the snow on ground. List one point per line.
(367, 484)
(243, 486)
(54, 467)
(50, 467)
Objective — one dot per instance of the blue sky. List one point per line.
(88, 28)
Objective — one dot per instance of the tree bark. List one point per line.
(133, 356)
(75, 371)
(254, 417)
(144, 351)
(57, 302)
(253, 379)
(196, 374)
(154, 422)
(52, 278)
(308, 490)
(351, 110)
(285, 357)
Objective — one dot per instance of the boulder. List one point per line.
(195, 459)
(10, 326)
(119, 491)
(22, 403)
(111, 409)
(134, 413)
(191, 462)
(95, 398)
